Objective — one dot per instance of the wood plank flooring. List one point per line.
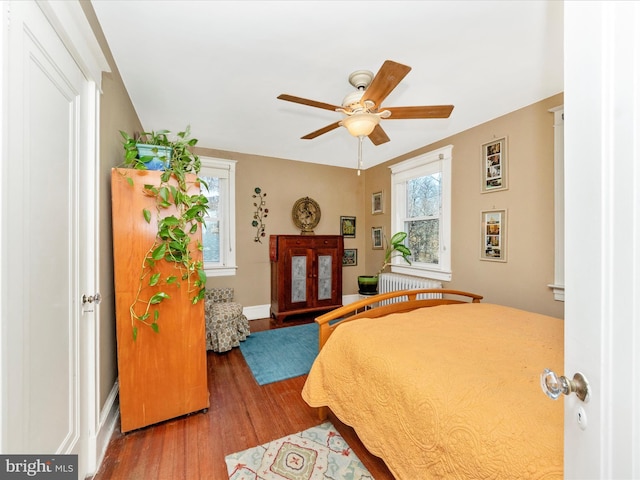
(242, 414)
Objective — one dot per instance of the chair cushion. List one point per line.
(226, 310)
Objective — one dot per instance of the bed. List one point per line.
(443, 387)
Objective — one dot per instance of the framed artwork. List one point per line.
(350, 257)
(377, 204)
(494, 165)
(494, 236)
(376, 238)
(348, 227)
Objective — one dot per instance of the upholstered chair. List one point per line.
(226, 326)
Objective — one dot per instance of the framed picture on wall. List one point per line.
(494, 165)
(348, 227)
(377, 203)
(494, 236)
(350, 257)
(376, 238)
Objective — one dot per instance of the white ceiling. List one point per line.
(219, 66)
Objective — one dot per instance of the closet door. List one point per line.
(48, 241)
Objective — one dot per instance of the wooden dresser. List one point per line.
(306, 274)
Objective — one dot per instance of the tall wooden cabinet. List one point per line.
(306, 274)
(161, 375)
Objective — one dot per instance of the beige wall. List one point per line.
(522, 281)
(338, 191)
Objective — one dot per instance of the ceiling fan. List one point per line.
(363, 108)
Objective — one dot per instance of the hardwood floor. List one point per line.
(241, 415)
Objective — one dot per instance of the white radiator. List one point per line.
(391, 282)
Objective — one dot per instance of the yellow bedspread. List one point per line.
(448, 392)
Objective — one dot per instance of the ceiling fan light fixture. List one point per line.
(360, 124)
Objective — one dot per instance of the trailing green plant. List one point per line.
(178, 215)
(181, 158)
(395, 248)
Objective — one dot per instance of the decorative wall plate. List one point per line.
(306, 215)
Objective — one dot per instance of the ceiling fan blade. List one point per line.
(378, 136)
(432, 111)
(387, 78)
(305, 101)
(321, 131)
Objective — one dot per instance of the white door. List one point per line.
(48, 242)
(602, 215)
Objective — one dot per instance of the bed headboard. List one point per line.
(371, 307)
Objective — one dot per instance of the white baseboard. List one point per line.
(347, 299)
(108, 420)
(256, 312)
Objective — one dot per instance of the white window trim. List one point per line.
(211, 166)
(415, 167)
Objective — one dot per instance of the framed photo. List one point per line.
(376, 238)
(377, 203)
(494, 165)
(494, 236)
(350, 257)
(348, 227)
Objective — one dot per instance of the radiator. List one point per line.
(391, 282)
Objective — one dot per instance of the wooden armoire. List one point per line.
(306, 274)
(161, 375)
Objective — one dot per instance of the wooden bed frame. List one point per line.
(370, 308)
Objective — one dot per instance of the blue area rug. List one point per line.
(281, 353)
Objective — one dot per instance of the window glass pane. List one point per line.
(211, 227)
(211, 241)
(424, 196)
(423, 239)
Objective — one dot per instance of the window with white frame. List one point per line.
(421, 206)
(219, 230)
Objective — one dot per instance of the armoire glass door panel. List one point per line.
(324, 277)
(298, 278)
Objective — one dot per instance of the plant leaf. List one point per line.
(147, 215)
(158, 297)
(398, 238)
(154, 279)
(159, 252)
(170, 221)
(164, 194)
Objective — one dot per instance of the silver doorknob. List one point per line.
(91, 299)
(554, 386)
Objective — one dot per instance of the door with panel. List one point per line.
(48, 240)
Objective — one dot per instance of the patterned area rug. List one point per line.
(319, 453)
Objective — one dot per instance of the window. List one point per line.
(421, 206)
(219, 232)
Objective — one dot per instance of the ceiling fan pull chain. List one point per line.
(360, 153)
